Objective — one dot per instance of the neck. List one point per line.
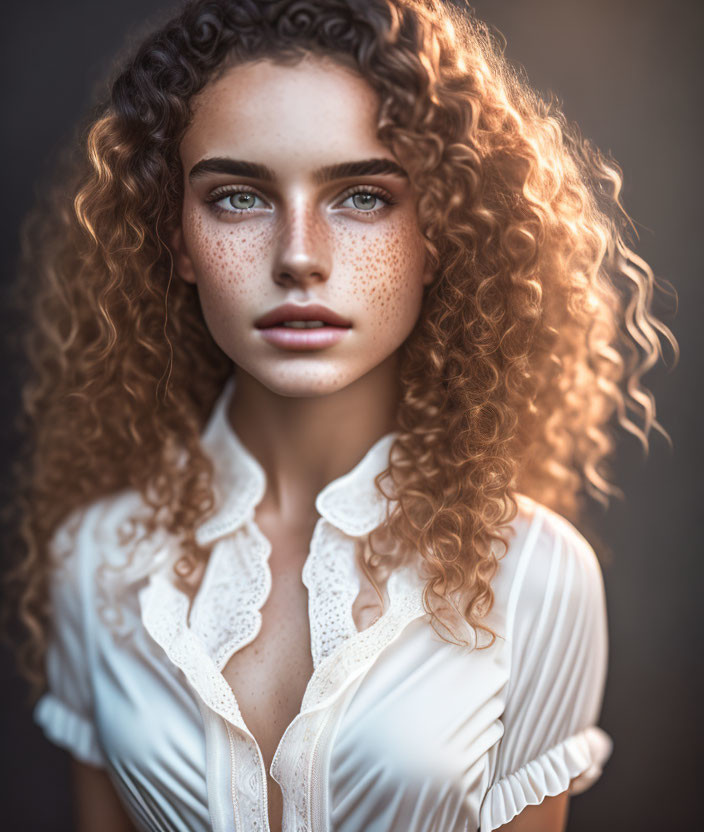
(304, 443)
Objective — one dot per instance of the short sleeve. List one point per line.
(559, 651)
(65, 711)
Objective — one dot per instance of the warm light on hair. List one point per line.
(535, 333)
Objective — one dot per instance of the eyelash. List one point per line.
(218, 195)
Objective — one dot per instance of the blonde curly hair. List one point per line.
(534, 335)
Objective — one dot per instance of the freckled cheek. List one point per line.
(386, 270)
(227, 257)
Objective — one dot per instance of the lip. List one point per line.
(301, 312)
(301, 340)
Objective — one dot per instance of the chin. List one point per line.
(313, 379)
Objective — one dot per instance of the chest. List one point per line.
(269, 675)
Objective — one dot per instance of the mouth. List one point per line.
(302, 327)
(300, 316)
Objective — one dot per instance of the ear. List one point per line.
(428, 274)
(183, 264)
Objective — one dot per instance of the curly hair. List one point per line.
(534, 334)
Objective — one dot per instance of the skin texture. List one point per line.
(307, 416)
(299, 241)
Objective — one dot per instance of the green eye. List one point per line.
(364, 201)
(367, 201)
(241, 200)
(236, 202)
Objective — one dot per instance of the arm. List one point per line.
(548, 816)
(96, 804)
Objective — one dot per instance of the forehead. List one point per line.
(307, 113)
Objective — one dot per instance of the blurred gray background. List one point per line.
(629, 74)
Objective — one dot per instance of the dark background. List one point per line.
(628, 72)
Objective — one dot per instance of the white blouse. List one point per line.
(398, 731)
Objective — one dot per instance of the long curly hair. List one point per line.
(532, 338)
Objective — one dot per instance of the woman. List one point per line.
(328, 330)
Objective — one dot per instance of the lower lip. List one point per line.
(300, 340)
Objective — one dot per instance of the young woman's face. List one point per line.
(284, 207)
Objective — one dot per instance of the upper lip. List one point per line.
(297, 312)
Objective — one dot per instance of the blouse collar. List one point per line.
(226, 613)
(352, 503)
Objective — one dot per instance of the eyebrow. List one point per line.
(329, 173)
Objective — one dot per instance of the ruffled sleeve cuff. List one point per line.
(68, 730)
(579, 759)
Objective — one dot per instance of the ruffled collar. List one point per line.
(226, 612)
(352, 503)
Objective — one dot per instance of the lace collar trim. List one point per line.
(226, 614)
(351, 503)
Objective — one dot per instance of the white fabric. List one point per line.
(398, 731)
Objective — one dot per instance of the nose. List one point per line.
(303, 248)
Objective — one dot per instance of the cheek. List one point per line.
(386, 268)
(225, 256)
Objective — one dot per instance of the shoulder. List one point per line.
(93, 536)
(548, 566)
(98, 520)
(98, 556)
(555, 542)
